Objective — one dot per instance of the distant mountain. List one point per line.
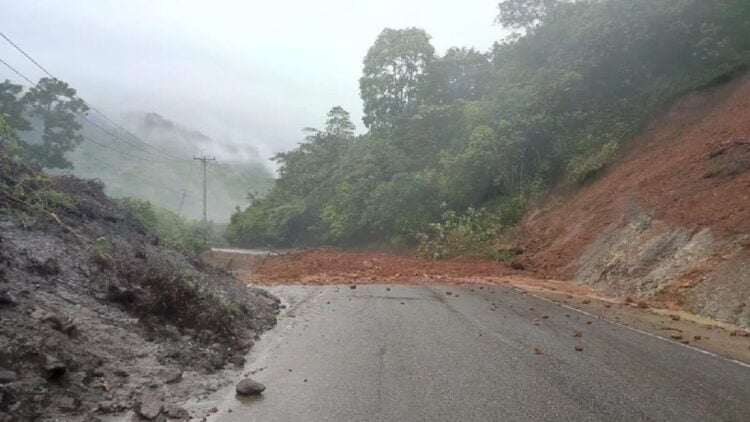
(129, 168)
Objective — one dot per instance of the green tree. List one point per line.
(524, 14)
(57, 105)
(393, 70)
(12, 106)
(460, 74)
(339, 123)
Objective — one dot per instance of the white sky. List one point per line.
(242, 71)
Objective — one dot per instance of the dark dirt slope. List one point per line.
(95, 314)
(670, 220)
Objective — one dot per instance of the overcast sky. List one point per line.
(242, 71)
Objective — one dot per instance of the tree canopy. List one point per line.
(466, 130)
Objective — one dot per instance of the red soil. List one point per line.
(330, 266)
(665, 172)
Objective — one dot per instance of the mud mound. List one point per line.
(331, 266)
(668, 218)
(96, 314)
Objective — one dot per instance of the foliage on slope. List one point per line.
(551, 104)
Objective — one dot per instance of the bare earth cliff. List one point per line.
(670, 220)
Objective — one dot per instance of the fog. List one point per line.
(246, 73)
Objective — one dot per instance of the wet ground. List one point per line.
(478, 353)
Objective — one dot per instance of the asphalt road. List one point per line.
(417, 354)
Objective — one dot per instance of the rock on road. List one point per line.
(415, 353)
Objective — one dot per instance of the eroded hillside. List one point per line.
(96, 315)
(670, 219)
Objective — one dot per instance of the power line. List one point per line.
(43, 69)
(91, 122)
(102, 145)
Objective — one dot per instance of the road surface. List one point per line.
(415, 353)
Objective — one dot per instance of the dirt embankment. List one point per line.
(96, 316)
(670, 220)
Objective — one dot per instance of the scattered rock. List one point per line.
(387, 289)
(577, 334)
(171, 375)
(739, 333)
(579, 348)
(176, 412)
(7, 376)
(676, 336)
(150, 407)
(674, 317)
(121, 373)
(249, 387)
(586, 301)
(448, 293)
(53, 321)
(642, 305)
(53, 370)
(6, 299)
(538, 351)
(353, 286)
(697, 338)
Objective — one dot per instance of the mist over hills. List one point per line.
(128, 169)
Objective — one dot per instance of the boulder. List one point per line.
(249, 387)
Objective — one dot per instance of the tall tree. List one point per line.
(524, 14)
(393, 69)
(57, 105)
(339, 123)
(460, 74)
(12, 106)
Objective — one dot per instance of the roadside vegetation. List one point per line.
(460, 144)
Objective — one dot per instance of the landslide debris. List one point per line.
(97, 316)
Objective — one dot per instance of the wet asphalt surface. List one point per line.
(415, 353)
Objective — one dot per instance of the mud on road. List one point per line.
(332, 266)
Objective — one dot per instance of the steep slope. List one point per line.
(670, 220)
(95, 314)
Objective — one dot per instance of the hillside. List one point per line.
(97, 315)
(239, 170)
(669, 219)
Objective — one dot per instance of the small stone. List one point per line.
(249, 387)
(642, 305)
(53, 321)
(577, 334)
(676, 336)
(176, 412)
(353, 286)
(6, 299)
(54, 370)
(448, 293)
(538, 351)
(7, 376)
(150, 407)
(675, 317)
(586, 302)
(171, 375)
(739, 333)
(106, 406)
(579, 348)
(121, 373)
(387, 289)
(697, 338)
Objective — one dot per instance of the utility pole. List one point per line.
(204, 160)
(182, 201)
